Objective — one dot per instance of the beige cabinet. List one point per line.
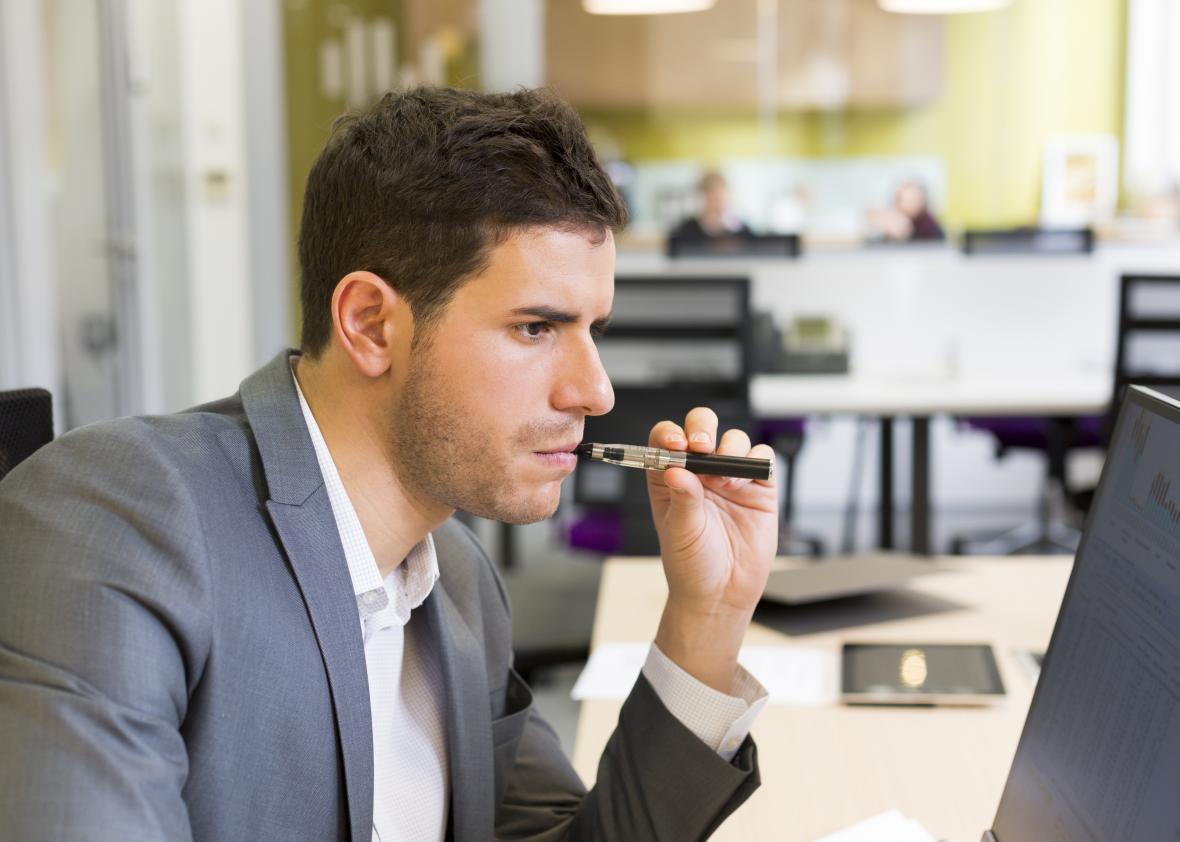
(826, 54)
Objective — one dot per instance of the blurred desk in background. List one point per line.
(827, 767)
(777, 395)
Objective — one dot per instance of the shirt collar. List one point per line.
(380, 602)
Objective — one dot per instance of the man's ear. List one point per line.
(366, 316)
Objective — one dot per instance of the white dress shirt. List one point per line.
(406, 692)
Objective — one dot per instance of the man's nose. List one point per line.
(585, 385)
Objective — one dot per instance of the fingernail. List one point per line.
(700, 437)
(675, 438)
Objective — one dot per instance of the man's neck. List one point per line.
(393, 520)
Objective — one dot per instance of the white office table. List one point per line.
(824, 768)
(1047, 395)
(1053, 396)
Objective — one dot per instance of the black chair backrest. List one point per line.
(674, 343)
(735, 245)
(1148, 346)
(26, 423)
(1029, 241)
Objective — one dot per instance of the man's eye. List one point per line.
(534, 330)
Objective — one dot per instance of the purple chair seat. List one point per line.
(770, 429)
(1034, 433)
(598, 530)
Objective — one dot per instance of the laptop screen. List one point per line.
(1099, 758)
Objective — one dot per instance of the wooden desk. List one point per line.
(824, 768)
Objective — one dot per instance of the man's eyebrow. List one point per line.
(549, 314)
(552, 314)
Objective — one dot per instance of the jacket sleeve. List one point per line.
(656, 781)
(103, 631)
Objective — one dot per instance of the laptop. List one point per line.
(795, 581)
(1099, 757)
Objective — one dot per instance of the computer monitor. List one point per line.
(1099, 758)
(1028, 241)
(735, 245)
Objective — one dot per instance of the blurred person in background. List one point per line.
(716, 219)
(908, 219)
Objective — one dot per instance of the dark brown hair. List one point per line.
(419, 188)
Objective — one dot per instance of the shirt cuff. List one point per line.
(721, 722)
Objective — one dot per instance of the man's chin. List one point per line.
(517, 512)
(531, 514)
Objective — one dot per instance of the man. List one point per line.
(255, 620)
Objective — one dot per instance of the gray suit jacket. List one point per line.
(180, 657)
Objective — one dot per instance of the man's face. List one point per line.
(496, 394)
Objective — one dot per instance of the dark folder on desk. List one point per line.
(800, 581)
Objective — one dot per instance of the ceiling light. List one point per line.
(941, 7)
(645, 7)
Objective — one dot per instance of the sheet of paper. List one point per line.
(890, 826)
(791, 675)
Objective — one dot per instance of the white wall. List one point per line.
(512, 44)
(266, 164)
(1151, 162)
(28, 305)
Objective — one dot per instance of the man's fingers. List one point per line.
(701, 426)
(668, 435)
(765, 451)
(734, 443)
(702, 422)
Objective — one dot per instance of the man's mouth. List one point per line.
(559, 456)
(561, 448)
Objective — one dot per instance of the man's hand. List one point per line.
(718, 536)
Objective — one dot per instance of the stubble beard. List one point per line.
(439, 455)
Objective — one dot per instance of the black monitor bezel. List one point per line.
(1135, 397)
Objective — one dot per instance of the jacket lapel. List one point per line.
(318, 562)
(303, 518)
(469, 725)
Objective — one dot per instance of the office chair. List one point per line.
(26, 423)
(786, 436)
(1054, 437)
(1147, 350)
(1147, 353)
(1049, 532)
(674, 343)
